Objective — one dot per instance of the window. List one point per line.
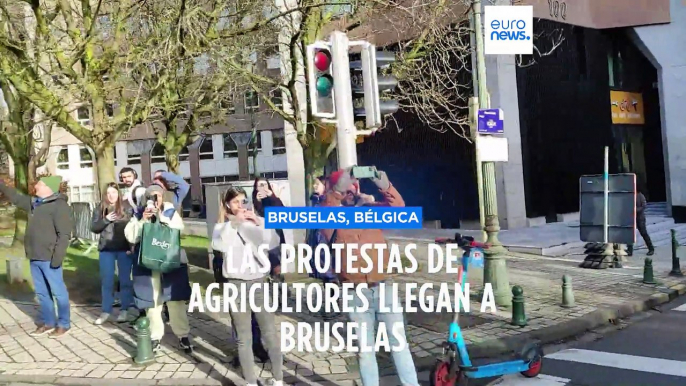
(230, 148)
(278, 142)
(275, 96)
(109, 110)
(226, 105)
(611, 69)
(83, 115)
(63, 159)
(157, 153)
(252, 102)
(86, 158)
(133, 160)
(274, 175)
(206, 148)
(183, 154)
(256, 142)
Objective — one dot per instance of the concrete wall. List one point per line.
(664, 45)
(501, 78)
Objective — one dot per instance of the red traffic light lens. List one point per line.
(322, 60)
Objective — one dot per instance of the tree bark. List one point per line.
(21, 183)
(171, 158)
(105, 168)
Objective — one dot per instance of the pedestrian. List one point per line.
(318, 190)
(129, 177)
(45, 243)
(641, 204)
(263, 196)
(109, 221)
(153, 289)
(173, 184)
(240, 232)
(345, 191)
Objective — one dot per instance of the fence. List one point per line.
(82, 215)
(82, 194)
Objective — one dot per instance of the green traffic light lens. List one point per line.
(324, 85)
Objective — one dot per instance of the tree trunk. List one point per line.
(21, 183)
(171, 158)
(105, 168)
(315, 160)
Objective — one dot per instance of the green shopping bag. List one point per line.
(160, 249)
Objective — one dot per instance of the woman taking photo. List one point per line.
(238, 232)
(109, 221)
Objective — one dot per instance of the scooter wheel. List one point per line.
(533, 355)
(440, 375)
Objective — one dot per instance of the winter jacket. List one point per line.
(363, 236)
(112, 236)
(175, 284)
(178, 187)
(641, 204)
(49, 227)
(226, 239)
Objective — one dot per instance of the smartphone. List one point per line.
(360, 172)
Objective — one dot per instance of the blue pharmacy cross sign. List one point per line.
(490, 121)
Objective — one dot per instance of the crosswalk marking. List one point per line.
(540, 380)
(622, 361)
(680, 308)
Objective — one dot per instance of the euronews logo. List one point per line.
(508, 30)
(162, 244)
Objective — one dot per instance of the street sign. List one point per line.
(490, 121)
(493, 148)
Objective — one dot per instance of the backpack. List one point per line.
(317, 238)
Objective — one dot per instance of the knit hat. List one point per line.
(52, 182)
(335, 176)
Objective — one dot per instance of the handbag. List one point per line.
(160, 248)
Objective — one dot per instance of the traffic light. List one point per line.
(371, 85)
(320, 80)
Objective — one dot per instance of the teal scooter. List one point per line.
(455, 367)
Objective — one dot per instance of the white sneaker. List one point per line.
(276, 383)
(102, 319)
(123, 316)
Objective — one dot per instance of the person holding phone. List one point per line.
(109, 220)
(153, 289)
(241, 232)
(262, 197)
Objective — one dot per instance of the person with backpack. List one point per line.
(239, 233)
(109, 221)
(153, 289)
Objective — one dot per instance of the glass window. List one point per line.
(275, 96)
(227, 106)
(183, 155)
(230, 148)
(252, 101)
(206, 148)
(133, 160)
(157, 153)
(63, 159)
(83, 115)
(278, 142)
(86, 157)
(256, 142)
(109, 108)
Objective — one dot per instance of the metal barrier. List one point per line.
(82, 216)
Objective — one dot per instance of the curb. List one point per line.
(565, 330)
(54, 380)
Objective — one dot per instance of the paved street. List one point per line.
(649, 352)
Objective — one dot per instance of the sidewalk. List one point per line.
(97, 355)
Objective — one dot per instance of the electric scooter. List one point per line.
(455, 367)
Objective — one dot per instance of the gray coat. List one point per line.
(49, 228)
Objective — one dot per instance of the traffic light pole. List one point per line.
(345, 120)
(495, 267)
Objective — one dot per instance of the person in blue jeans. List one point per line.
(109, 221)
(45, 242)
(344, 190)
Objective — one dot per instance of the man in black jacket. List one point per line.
(45, 243)
(641, 204)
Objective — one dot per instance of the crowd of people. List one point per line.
(120, 219)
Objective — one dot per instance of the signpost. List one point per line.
(490, 121)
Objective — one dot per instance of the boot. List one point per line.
(630, 250)
(651, 251)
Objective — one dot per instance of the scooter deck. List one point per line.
(495, 369)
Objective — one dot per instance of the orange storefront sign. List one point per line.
(627, 108)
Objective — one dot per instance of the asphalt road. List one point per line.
(649, 352)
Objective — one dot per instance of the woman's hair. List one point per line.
(257, 204)
(118, 206)
(231, 193)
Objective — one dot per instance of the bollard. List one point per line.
(648, 272)
(518, 315)
(676, 267)
(144, 354)
(567, 292)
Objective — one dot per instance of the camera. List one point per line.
(151, 201)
